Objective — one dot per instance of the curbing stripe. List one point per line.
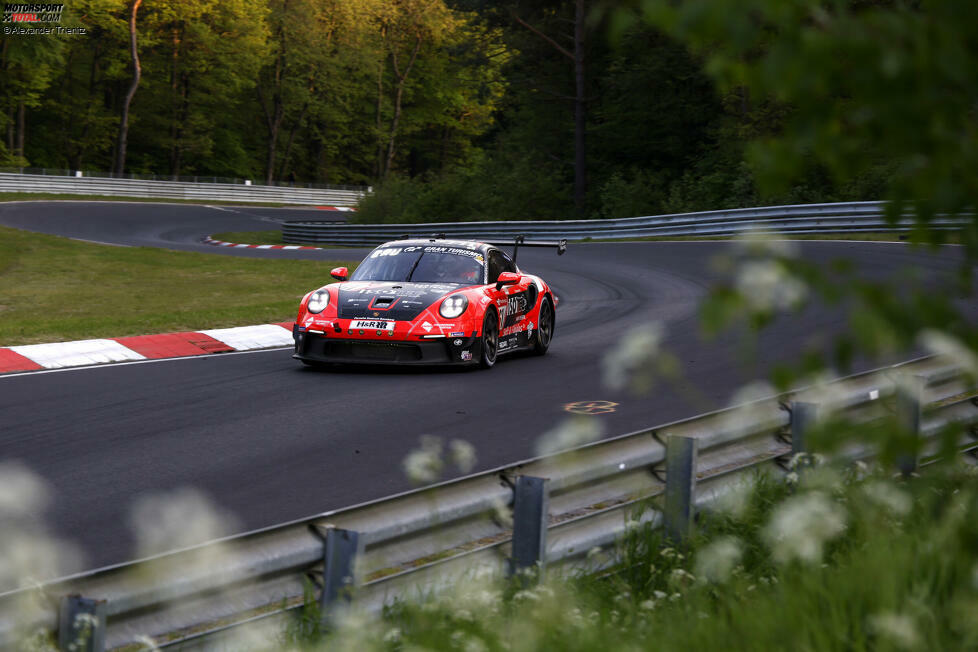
(246, 338)
(221, 243)
(86, 353)
(172, 345)
(13, 361)
(74, 354)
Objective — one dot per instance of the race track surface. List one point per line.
(272, 441)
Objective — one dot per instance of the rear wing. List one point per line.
(520, 241)
(517, 242)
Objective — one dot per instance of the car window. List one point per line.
(499, 263)
(422, 264)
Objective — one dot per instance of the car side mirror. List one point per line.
(507, 278)
(339, 273)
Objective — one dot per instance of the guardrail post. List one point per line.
(81, 624)
(909, 404)
(803, 418)
(340, 552)
(681, 453)
(531, 506)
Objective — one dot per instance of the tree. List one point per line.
(406, 28)
(27, 65)
(120, 160)
(204, 55)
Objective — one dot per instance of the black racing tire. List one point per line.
(545, 329)
(490, 340)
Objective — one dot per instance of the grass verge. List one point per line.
(57, 289)
(48, 196)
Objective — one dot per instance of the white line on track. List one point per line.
(123, 364)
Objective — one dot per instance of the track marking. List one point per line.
(591, 407)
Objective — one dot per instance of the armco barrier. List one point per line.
(202, 192)
(808, 218)
(425, 540)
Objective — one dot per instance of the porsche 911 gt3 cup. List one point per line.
(428, 301)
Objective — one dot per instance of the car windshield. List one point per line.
(422, 264)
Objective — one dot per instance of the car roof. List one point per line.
(441, 242)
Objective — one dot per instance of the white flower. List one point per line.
(648, 605)
(679, 577)
(761, 243)
(462, 454)
(766, 285)
(801, 526)
(393, 635)
(424, 465)
(22, 493)
(887, 496)
(177, 519)
(634, 351)
(501, 513)
(749, 404)
(717, 560)
(899, 629)
(952, 348)
(572, 433)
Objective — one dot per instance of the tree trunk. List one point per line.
(580, 100)
(21, 128)
(380, 101)
(398, 95)
(120, 158)
(174, 82)
(580, 113)
(288, 145)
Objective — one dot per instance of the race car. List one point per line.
(428, 301)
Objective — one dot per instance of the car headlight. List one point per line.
(453, 306)
(318, 301)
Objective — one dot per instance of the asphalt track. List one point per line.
(272, 441)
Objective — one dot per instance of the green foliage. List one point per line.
(869, 86)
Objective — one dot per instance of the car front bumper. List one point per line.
(334, 348)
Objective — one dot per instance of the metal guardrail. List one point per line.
(183, 178)
(202, 192)
(424, 540)
(808, 218)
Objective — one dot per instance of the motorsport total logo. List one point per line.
(35, 18)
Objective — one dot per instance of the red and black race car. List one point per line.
(428, 301)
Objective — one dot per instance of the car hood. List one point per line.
(400, 301)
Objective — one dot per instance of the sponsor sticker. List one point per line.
(378, 325)
(456, 334)
(427, 327)
(466, 355)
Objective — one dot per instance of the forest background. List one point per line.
(451, 109)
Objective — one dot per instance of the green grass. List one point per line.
(48, 196)
(58, 289)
